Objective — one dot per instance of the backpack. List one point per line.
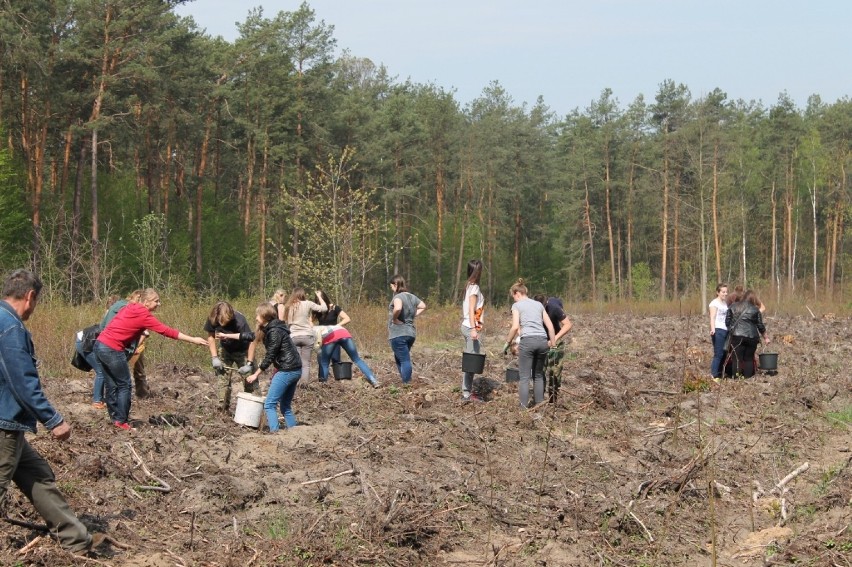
(90, 336)
(78, 362)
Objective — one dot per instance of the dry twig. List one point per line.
(780, 486)
(328, 478)
(165, 485)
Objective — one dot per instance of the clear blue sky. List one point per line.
(569, 51)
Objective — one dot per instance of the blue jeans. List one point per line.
(348, 345)
(100, 382)
(335, 358)
(401, 347)
(718, 352)
(281, 391)
(117, 376)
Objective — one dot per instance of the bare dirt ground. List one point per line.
(642, 461)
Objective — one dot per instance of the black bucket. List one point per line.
(768, 361)
(342, 370)
(513, 375)
(472, 362)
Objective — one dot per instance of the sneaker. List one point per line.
(99, 405)
(125, 426)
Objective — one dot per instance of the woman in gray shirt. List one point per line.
(530, 320)
(404, 307)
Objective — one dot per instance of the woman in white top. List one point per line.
(471, 326)
(530, 320)
(297, 315)
(718, 331)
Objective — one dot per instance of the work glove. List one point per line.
(505, 348)
(217, 363)
(246, 369)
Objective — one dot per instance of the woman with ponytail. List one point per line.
(532, 322)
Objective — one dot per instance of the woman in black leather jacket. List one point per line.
(745, 326)
(282, 353)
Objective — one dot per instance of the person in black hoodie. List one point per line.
(281, 353)
(746, 329)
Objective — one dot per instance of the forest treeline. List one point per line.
(140, 151)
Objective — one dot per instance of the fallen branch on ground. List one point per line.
(780, 486)
(328, 478)
(165, 485)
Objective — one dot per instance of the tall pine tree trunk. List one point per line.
(439, 198)
(96, 243)
(717, 241)
(608, 188)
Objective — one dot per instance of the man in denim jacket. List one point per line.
(22, 404)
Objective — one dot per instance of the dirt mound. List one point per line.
(642, 461)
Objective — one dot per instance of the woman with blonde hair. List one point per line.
(124, 329)
(277, 301)
(536, 330)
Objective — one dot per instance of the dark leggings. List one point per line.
(741, 355)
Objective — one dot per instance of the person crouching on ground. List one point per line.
(281, 353)
(333, 337)
(556, 354)
(125, 328)
(235, 352)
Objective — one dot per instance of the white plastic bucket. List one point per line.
(249, 409)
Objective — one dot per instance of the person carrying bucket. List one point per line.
(471, 325)
(332, 337)
(530, 320)
(234, 353)
(282, 354)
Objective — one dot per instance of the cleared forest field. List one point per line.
(642, 460)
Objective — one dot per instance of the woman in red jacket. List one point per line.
(126, 328)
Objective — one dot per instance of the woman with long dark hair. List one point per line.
(718, 309)
(334, 316)
(297, 315)
(283, 355)
(471, 325)
(745, 325)
(404, 307)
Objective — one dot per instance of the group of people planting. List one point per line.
(736, 330)
(113, 348)
(290, 328)
(535, 336)
(284, 326)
